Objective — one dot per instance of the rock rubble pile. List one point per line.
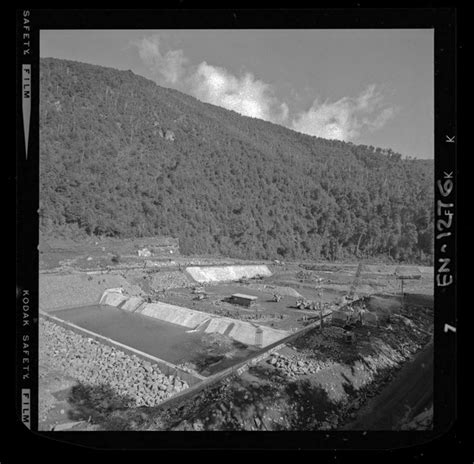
(134, 381)
(292, 366)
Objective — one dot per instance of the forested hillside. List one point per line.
(121, 156)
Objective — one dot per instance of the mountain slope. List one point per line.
(121, 156)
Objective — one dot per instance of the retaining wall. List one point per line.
(237, 369)
(196, 381)
(241, 331)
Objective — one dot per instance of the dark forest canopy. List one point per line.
(123, 157)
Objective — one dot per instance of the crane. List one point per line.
(355, 283)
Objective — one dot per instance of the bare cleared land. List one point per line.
(329, 377)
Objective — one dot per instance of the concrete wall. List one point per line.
(241, 331)
(132, 304)
(237, 369)
(226, 273)
(174, 314)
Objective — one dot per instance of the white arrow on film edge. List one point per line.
(26, 103)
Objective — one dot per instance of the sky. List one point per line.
(366, 86)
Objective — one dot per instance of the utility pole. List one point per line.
(403, 292)
(355, 282)
(321, 323)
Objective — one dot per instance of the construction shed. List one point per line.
(243, 300)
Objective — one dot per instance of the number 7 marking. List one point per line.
(448, 327)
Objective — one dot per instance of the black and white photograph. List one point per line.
(237, 229)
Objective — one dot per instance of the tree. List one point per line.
(226, 184)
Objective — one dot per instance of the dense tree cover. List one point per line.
(226, 184)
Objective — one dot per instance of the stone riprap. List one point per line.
(128, 379)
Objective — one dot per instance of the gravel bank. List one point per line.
(156, 281)
(122, 380)
(166, 280)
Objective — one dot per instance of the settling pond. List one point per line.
(170, 342)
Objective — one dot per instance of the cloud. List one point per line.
(343, 119)
(244, 94)
(346, 118)
(169, 67)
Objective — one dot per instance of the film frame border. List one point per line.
(442, 20)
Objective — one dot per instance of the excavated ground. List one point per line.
(319, 381)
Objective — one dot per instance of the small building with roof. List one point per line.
(242, 299)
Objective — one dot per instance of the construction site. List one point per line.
(135, 336)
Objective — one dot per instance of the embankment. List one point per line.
(244, 332)
(135, 380)
(206, 274)
(78, 289)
